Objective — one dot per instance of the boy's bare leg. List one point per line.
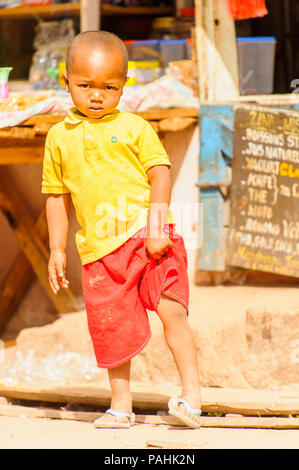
(121, 400)
(179, 338)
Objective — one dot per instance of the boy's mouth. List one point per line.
(95, 108)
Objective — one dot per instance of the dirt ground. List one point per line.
(44, 433)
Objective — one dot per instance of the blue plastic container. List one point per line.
(144, 50)
(173, 50)
(256, 57)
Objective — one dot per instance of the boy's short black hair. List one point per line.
(100, 39)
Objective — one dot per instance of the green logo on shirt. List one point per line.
(114, 139)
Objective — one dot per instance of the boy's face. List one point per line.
(96, 81)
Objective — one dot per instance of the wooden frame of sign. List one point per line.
(264, 225)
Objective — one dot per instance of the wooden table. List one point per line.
(25, 144)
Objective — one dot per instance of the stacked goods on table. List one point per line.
(20, 106)
(150, 59)
(48, 62)
(166, 92)
(25, 3)
(22, 101)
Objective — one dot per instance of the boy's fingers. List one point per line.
(54, 280)
(65, 283)
(167, 247)
(57, 275)
(60, 271)
(54, 289)
(53, 277)
(55, 284)
(170, 244)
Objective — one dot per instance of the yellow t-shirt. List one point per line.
(102, 163)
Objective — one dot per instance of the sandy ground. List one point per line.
(25, 433)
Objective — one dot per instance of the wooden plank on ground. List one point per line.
(170, 444)
(252, 402)
(226, 422)
(206, 421)
(249, 402)
(44, 412)
(81, 394)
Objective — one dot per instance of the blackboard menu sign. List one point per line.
(264, 226)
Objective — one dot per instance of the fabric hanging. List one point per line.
(242, 9)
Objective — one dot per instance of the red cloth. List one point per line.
(119, 287)
(242, 9)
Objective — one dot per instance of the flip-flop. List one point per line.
(185, 415)
(115, 424)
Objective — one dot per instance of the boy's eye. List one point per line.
(84, 85)
(109, 87)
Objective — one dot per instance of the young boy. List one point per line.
(114, 168)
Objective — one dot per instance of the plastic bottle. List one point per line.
(4, 74)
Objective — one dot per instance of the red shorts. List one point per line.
(119, 287)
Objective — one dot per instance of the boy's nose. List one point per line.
(96, 96)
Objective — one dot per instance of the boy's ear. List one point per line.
(64, 75)
(125, 81)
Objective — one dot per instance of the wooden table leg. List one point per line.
(32, 245)
(19, 277)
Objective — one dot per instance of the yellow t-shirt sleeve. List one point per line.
(52, 180)
(151, 150)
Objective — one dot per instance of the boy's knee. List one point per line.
(171, 310)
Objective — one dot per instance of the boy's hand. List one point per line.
(158, 246)
(56, 267)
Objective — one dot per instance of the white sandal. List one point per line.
(187, 415)
(99, 423)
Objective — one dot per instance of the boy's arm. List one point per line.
(58, 210)
(157, 242)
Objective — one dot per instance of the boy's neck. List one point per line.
(84, 115)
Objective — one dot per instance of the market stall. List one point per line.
(180, 73)
(37, 103)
